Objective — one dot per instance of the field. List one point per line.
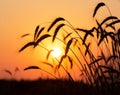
(50, 87)
(100, 70)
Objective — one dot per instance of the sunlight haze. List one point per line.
(18, 17)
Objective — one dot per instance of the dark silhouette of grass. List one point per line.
(101, 71)
(55, 21)
(9, 72)
(97, 8)
(57, 30)
(49, 87)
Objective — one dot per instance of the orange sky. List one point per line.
(18, 17)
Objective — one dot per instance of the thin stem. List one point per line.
(49, 73)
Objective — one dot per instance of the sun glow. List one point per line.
(56, 52)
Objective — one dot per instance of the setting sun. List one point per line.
(56, 52)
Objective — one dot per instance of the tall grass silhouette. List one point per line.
(10, 73)
(95, 51)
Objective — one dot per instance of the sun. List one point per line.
(56, 52)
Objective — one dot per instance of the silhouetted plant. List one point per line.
(12, 74)
(100, 70)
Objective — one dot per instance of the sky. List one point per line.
(18, 17)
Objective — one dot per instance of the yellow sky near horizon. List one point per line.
(18, 17)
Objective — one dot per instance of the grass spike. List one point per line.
(56, 31)
(97, 8)
(9, 72)
(31, 67)
(36, 31)
(48, 54)
(27, 45)
(71, 62)
(67, 36)
(40, 32)
(24, 35)
(68, 46)
(41, 38)
(54, 22)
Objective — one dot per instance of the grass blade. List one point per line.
(87, 48)
(110, 69)
(70, 77)
(9, 72)
(110, 34)
(40, 32)
(36, 30)
(97, 7)
(107, 19)
(27, 45)
(42, 38)
(24, 35)
(96, 61)
(54, 22)
(56, 31)
(67, 36)
(112, 23)
(75, 42)
(16, 69)
(61, 60)
(110, 57)
(71, 62)
(31, 67)
(68, 46)
(49, 64)
(48, 54)
(87, 32)
(100, 30)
